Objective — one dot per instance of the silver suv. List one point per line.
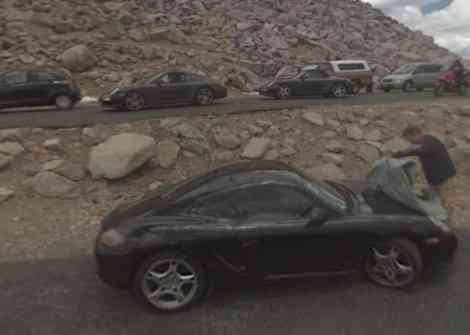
(412, 76)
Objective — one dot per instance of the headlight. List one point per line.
(111, 238)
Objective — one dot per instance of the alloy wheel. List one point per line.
(205, 97)
(339, 91)
(170, 284)
(283, 92)
(134, 102)
(63, 102)
(392, 266)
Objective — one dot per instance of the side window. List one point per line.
(420, 70)
(253, 201)
(173, 78)
(314, 74)
(351, 67)
(40, 77)
(435, 68)
(15, 78)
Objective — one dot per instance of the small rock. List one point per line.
(5, 194)
(354, 132)
(52, 165)
(467, 135)
(5, 161)
(226, 139)
(245, 134)
(53, 144)
(368, 153)
(335, 146)
(326, 171)
(314, 118)
(272, 154)
(11, 148)
(373, 135)
(155, 185)
(255, 130)
(264, 123)
(224, 156)
(37, 130)
(273, 131)
(15, 134)
(50, 184)
(336, 159)
(256, 148)
(71, 170)
(167, 153)
(333, 124)
(329, 134)
(363, 122)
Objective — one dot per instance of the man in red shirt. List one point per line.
(437, 165)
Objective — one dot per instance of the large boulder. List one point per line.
(78, 58)
(226, 139)
(314, 118)
(120, 155)
(50, 184)
(167, 153)
(11, 148)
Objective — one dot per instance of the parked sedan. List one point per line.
(28, 88)
(262, 220)
(310, 82)
(171, 87)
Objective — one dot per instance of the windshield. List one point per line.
(405, 69)
(329, 195)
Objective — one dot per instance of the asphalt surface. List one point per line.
(90, 114)
(63, 296)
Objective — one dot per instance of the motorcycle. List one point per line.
(447, 83)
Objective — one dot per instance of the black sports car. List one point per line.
(167, 88)
(262, 220)
(309, 82)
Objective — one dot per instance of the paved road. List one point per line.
(92, 114)
(63, 296)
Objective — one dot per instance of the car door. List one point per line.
(41, 85)
(14, 89)
(313, 83)
(432, 74)
(173, 88)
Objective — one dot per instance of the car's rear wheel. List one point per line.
(134, 102)
(339, 90)
(407, 86)
(283, 92)
(63, 102)
(396, 263)
(170, 281)
(204, 97)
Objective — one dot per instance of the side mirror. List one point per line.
(317, 215)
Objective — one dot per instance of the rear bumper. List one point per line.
(442, 253)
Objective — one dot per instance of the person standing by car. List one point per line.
(459, 70)
(436, 163)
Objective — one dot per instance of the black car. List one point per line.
(309, 82)
(167, 88)
(28, 88)
(262, 220)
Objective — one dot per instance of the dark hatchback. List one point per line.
(29, 88)
(310, 82)
(167, 88)
(262, 220)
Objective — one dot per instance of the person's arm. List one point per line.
(413, 150)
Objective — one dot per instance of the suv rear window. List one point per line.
(351, 66)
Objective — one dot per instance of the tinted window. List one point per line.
(173, 78)
(256, 200)
(315, 74)
(14, 78)
(41, 77)
(351, 66)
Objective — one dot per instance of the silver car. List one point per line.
(416, 76)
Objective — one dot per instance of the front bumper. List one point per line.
(267, 92)
(111, 101)
(442, 253)
(114, 268)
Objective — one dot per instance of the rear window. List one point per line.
(14, 78)
(351, 66)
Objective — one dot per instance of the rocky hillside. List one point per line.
(240, 42)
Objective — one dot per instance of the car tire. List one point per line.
(370, 88)
(283, 92)
(63, 102)
(407, 86)
(134, 102)
(181, 280)
(204, 97)
(396, 263)
(339, 90)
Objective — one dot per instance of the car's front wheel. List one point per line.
(63, 102)
(396, 263)
(170, 281)
(204, 97)
(339, 90)
(283, 92)
(134, 102)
